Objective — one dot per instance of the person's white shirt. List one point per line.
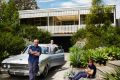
(51, 48)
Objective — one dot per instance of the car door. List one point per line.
(56, 58)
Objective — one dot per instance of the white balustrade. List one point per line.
(66, 29)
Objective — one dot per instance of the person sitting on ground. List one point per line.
(89, 72)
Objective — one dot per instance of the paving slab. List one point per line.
(105, 69)
(117, 62)
(114, 64)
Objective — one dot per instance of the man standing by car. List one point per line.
(34, 53)
(52, 47)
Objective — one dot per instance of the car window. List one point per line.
(45, 50)
(55, 49)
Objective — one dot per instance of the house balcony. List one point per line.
(58, 30)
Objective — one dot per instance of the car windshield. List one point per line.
(45, 50)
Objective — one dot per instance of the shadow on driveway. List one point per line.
(51, 73)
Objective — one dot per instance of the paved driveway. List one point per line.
(58, 73)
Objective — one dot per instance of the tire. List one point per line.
(45, 72)
(11, 75)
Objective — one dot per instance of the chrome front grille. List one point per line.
(19, 66)
(16, 66)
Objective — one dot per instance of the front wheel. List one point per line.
(11, 75)
(45, 72)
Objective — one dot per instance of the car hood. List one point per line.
(22, 59)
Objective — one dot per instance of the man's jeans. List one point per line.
(80, 75)
(33, 69)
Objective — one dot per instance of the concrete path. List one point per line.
(58, 72)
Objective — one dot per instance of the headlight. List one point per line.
(8, 66)
(4, 66)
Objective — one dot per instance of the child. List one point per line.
(89, 72)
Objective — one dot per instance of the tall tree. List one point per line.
(99, 32)
(26, 4)
(10, 42)
(9, 16)
(99, 14)
(98, 26)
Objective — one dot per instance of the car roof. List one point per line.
(46, 45)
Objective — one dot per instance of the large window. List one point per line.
(82, 19)
(112, 17)
(69, 22)
(66, 20)
(35, 21)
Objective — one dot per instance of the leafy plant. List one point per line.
(9, 16)
(100, 56)
(77, 58)
(3, 55)
(11, 44)
(113, 52)
(80, 34)
(32, 32)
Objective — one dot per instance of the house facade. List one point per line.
(59, 21)
(118, 22)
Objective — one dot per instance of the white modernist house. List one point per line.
(59, 21)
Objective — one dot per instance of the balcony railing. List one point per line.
(66, 29)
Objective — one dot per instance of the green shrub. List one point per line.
(113, 52)
(43, 36)
(11, 44)
(77, 58)
(3, 55)
(103, 54)
(80, 34)
(98, 36)
(32, 32)
(98, 55)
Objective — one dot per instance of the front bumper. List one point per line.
(15, 72)
(19, 72)
(3, 71)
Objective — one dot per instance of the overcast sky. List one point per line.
(72, 3)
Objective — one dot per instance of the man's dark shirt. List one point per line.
(33, 58)
(92, 67)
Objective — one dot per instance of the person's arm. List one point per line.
(89, 71)
(32, 52)
(38, 53)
